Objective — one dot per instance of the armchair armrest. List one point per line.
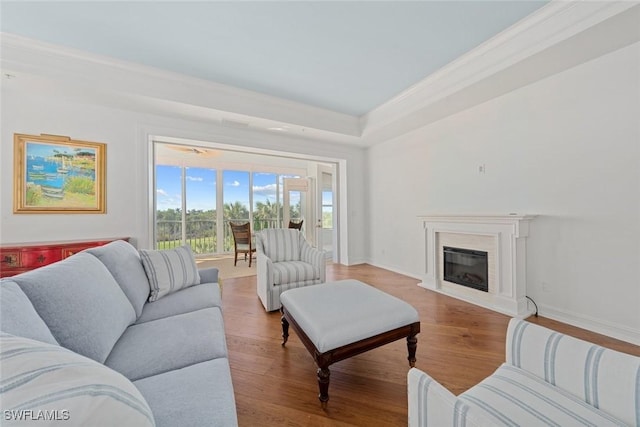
(315, 257)
(264, 275)
(208, 275)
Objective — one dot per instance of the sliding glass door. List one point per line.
(186, 208)
(194, 204)
(235, 194)
(266, 201)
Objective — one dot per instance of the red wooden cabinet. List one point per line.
(19, 258)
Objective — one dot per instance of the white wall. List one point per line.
(566, 148)
(126, 135)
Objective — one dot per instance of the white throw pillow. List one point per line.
(46, 384)
(169, 270)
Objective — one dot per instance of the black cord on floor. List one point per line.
(534, 303)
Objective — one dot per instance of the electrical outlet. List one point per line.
(482, 168)
(546, 287)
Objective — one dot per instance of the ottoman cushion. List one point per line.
(341, 313)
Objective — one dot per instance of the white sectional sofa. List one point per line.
(549, 379)
(81, 343)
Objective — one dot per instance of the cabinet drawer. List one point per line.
(18, 258)
(10, 259)
(67, 252)
(38, 258)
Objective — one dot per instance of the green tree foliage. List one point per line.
(201, 231)
(79, 184)
(34, 194)
(235, 210)
(265, 215)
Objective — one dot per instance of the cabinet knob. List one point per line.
(41, 259)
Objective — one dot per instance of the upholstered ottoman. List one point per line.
(342, 319)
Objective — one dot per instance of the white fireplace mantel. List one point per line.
(503, 236)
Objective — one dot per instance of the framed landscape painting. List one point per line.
(55, 174)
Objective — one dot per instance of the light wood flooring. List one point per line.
(459, 345)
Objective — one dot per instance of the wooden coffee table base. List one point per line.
(323, 360)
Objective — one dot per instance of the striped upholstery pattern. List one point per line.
(45, 380)
(430, 404)
(282, 244)
(275, 277)
(169, 270)
(515, 397)
(294, 271)
(604, 378)
(549, 379)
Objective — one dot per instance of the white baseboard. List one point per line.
(612, 330)
(356, 261)
(605, 328)
(394, 269)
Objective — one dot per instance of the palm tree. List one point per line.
(264, 214)
(235, 210)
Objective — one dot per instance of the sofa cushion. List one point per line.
(281, 244)
(169, 270)
(512, 396)
(294, 272)
(76, 390)
(174, 342)
(123, 261)
(195, 396)
(204, 295)
(17, 315)
(80, 302)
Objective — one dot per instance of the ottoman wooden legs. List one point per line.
(412, 345)
(323, 384)
(325, 359)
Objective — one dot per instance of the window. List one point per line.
(200, 218)
(168, 206)
(194, 201)
(235, 189)
(327, 209)
(266, 194)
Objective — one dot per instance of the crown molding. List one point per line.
(440, 94)
(552, 39)
(151, 86)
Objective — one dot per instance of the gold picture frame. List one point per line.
(56, 174)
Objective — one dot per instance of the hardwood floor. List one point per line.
(459, 345)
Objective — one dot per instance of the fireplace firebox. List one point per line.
(466, 267)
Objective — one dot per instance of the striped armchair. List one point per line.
(285, 261)
(548, 379)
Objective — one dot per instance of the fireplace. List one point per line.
(487, 253)
(466, 267)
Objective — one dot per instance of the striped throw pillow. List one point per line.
(46, 382)
(169, 270)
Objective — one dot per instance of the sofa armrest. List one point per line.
(430, 404)
(208, 275)
(602, 377)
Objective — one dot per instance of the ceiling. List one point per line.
(344, 56)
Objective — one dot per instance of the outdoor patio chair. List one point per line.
(242, 243)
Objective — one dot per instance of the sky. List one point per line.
(201, 187)
(47, 149)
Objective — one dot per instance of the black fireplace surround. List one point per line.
(466, 267)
